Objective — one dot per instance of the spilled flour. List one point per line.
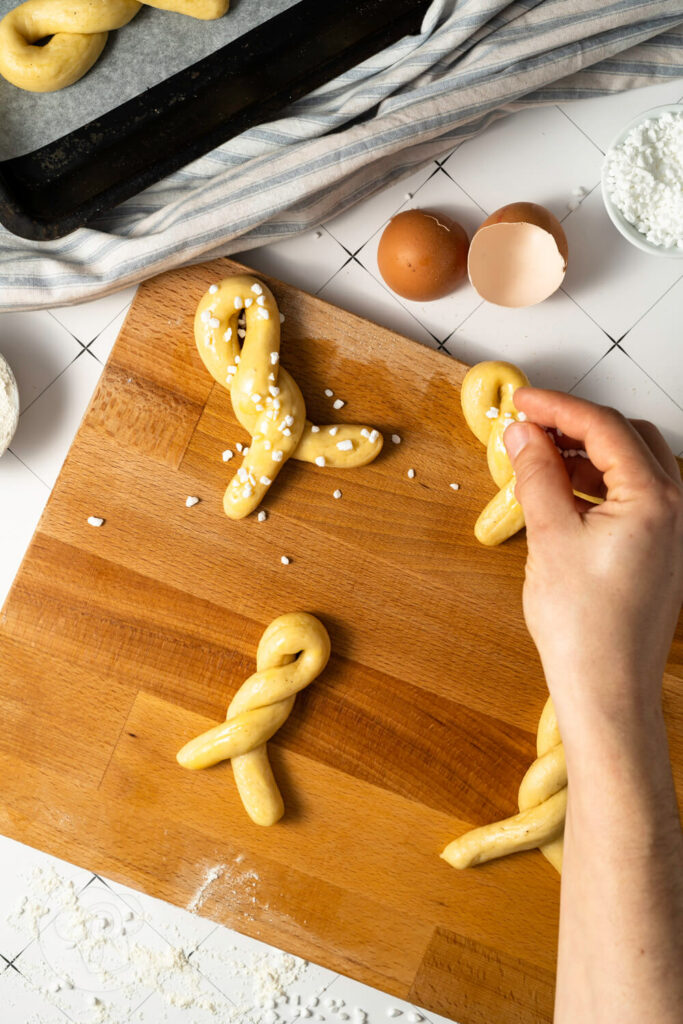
(212, 875)
(98, 957)
(238, 886)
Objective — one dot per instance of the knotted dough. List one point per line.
(293, 651)
(542, 802)
(487, 405)
(77, 32)
(265, 398)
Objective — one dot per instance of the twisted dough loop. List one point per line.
(78, 32)
(293, 651)
(487, 404)
(542, 804)
(265, 398)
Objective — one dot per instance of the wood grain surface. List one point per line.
(118, 644)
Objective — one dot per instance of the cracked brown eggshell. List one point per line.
(518, 256)
(422, 255)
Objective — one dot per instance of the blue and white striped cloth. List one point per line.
(473, 61)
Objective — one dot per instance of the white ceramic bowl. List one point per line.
(630, 232)
(9, 405)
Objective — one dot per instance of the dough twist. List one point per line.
(292, 652)
(542, 804)
(486, 398)
(265, 398)
(78, 32)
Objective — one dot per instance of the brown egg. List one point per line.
(422, 255)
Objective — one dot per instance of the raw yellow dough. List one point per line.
(266, 399)
(292, 652)
(486, 398)
(78, 31)
(204, 10)
(487, 405)
(542, 802)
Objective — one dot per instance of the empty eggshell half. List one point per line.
(518, 256)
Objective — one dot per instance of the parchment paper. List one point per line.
(150, 48)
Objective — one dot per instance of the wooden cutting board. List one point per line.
(118, 644)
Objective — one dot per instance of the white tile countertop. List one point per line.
(612, 334)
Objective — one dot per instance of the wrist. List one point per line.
(622, 705)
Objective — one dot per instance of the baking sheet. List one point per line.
(153, 46)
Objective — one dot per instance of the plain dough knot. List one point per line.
(293, 651)
(542, 802)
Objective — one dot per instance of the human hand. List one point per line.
(604, 582)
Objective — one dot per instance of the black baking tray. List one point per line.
(51, 191)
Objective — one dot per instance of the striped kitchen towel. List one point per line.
(473, 61)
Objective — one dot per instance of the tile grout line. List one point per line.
(36, 990)
(337, 271)
(650, 308)
(461, 324)
(99, 334)
(439, 342)
(455, 182)
(53, 917)
(55, 379)
(83, 344)
(580, 129)
(586, 313)
(387, 219)
(649, 376)
(32, 471)
(59, 322)
(591, 368)
(147, 921)
(397, 300)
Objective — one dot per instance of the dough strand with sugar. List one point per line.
(487, 403)
(486, 398)
(292, 652)
(265, 397)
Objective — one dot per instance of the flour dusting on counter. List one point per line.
(95, 951)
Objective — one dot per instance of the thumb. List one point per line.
(543, 487)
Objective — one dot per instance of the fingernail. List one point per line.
(515, 437)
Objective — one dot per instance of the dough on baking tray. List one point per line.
(77, 32)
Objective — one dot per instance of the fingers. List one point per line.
(585, 477)
(659, 448)
(615, 447)
(543, 488)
